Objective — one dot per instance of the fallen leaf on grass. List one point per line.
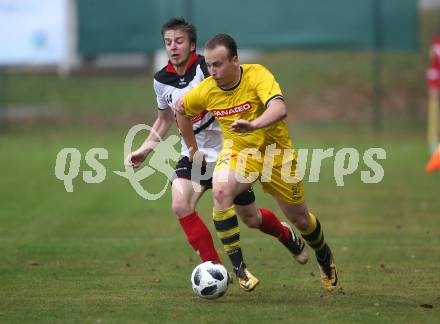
(33, 264)
(386, 268)
(426, 306)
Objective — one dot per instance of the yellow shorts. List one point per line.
(277, 173)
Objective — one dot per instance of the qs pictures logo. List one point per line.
(68, 160)
(346, 162)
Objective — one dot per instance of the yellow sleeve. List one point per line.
(193, 102)
(267, 87)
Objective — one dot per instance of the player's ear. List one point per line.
(235, 60)
(192, 47)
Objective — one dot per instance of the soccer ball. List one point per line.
(210, 280)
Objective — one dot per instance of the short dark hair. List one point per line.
(182, 24)
(223, 40)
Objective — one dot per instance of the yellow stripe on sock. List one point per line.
(223, 215)
(232, 246)
(229, 232)
(219, 215)
(312, 225)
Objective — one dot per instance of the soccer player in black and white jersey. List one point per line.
(185, 69)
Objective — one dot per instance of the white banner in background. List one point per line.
(33, 31)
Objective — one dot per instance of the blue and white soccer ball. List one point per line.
(210, 280)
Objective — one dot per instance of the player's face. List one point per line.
(225, 71)
(178, 47)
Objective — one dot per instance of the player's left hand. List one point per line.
(242, 126)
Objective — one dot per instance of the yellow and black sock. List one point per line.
(314, 236)
(226, 224)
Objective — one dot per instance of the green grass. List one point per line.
(103, 254)
(95, 255)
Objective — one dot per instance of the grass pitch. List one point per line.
(103, 254)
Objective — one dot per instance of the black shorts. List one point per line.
(200, 174)
(203, 176)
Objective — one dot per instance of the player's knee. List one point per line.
(181, 208)
(222, 197)
(302, 225)
(249, 217)
(251, 221)
(301, 221)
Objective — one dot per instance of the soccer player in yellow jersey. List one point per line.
(249, 106)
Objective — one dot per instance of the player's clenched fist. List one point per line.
(135, 159)
(242, 126)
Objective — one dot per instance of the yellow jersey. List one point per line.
(247, 100)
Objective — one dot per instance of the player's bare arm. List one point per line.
(186, 130)
(187, 133)
(162, 124)
(275, 112)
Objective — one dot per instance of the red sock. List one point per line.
(271, 225)
(199, 237)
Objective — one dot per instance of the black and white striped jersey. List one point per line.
(169, 87)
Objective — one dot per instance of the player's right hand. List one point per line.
(198, 158)
(135, 159)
